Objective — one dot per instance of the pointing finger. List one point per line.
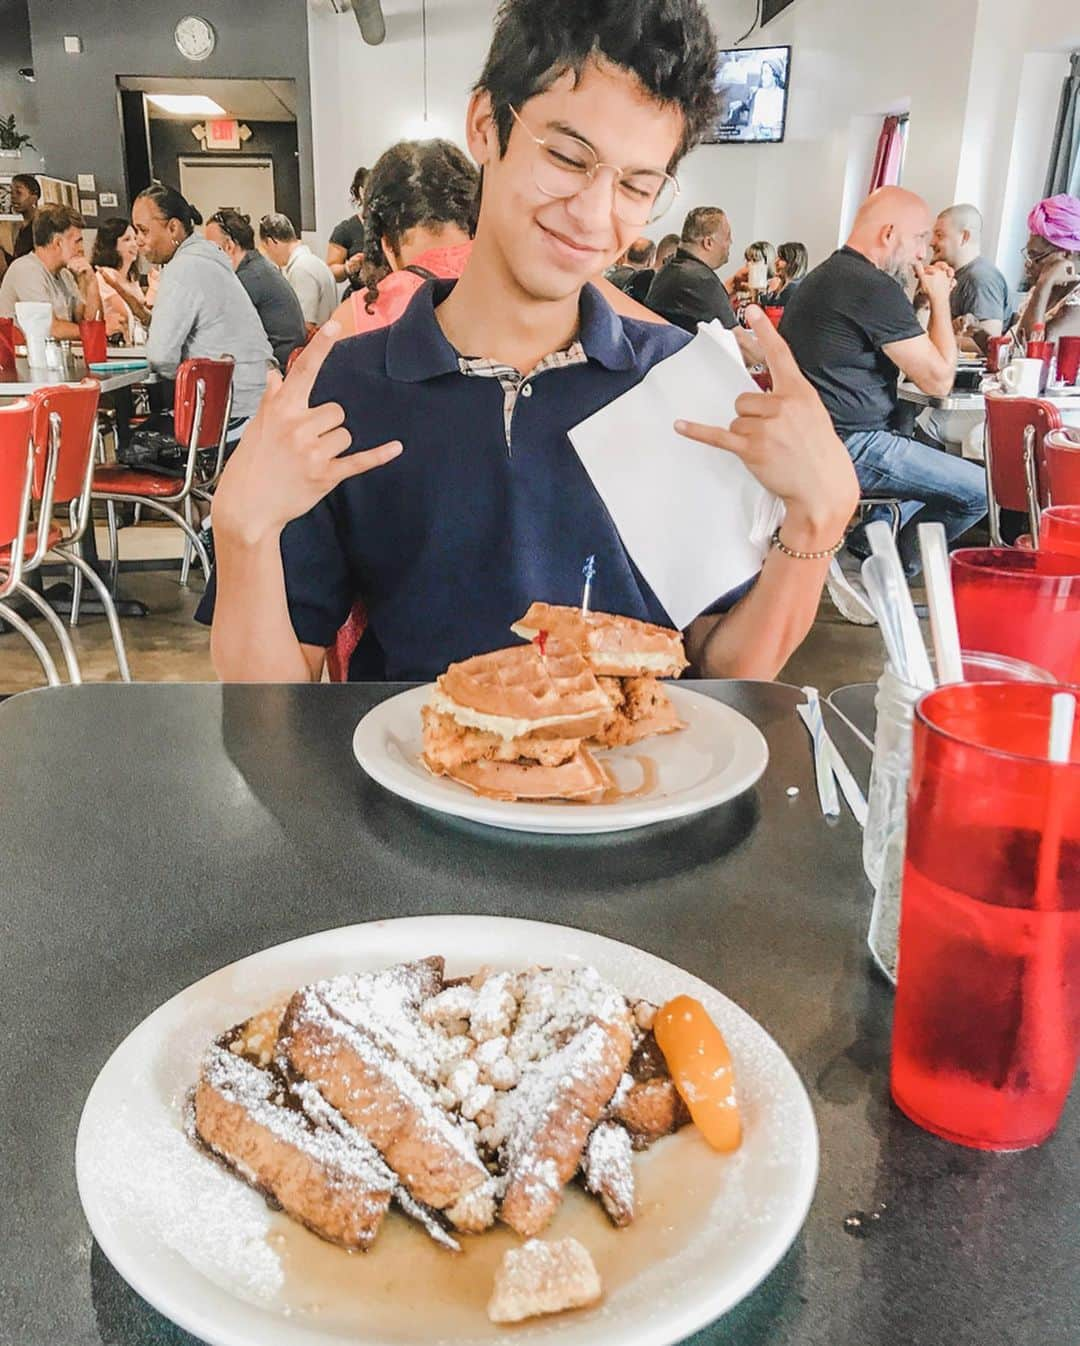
(358, 463)
(714, 435)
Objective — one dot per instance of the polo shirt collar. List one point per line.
(417, 350)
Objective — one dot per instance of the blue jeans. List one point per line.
(934, 487)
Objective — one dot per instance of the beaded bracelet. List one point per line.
(825, 555)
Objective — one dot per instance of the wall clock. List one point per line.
(195, 38)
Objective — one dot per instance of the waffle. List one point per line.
(579, 778)
(520, 691)
(619, 647)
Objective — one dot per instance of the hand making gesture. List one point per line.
(290, 455)
(787, 440)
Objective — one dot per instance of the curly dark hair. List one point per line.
(109, 232)
(359, 183)
(415, 183)
(668, 44)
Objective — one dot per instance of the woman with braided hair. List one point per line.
(419, 214)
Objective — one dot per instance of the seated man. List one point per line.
(309, 275)
(980, 298)
(853, 331)
(431, 476)
(274, 298)
(57, 272)
(687, 290)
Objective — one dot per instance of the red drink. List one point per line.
(1060, 530)
(1068, 359)
(987, 1023)
(94, 343)
(1022, 603)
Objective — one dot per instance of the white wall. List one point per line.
(980, 128)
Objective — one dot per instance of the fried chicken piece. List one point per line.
(449, 745)
(641, 709)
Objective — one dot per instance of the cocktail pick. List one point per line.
(589, 571)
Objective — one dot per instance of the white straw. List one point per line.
(823, 772)
(1062, 716)
(935, 559)
(882, 543)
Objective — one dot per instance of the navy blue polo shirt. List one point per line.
(450, 542)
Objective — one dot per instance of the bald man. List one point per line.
(980, 298)
(854, 331)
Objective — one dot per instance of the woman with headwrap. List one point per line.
(1052, 266)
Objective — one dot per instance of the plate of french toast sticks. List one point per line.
(456, 1129)
(573, 729)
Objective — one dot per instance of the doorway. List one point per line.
(246, 184)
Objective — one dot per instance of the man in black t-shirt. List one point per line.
(853, 331)
(687, 291)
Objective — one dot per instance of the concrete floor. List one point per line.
(169, 646)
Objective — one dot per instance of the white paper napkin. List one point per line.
(695, 521)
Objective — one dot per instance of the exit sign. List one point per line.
(223, 134)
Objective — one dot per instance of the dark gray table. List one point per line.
(150, 834)
(855, 706)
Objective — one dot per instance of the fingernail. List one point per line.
(753, 311)
(331, 328)
(680, 427)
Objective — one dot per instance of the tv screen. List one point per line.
(753, 86)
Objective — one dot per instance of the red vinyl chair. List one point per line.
(293, 357)
(65, 435)
(1061, 464)
(201, 409)
(349, 636)
(1016, 428)
(16, 537)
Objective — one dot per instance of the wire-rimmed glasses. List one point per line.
(566, 165)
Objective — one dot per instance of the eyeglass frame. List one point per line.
(1027, 256)
(590, 174)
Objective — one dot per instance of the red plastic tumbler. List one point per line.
(986, 1029)
(1068, 367)
(94, 343)
(1060, 530)
(1022, 603)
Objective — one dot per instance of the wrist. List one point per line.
(806, 529)
(245, 535)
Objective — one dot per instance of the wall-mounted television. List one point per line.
(753, 86)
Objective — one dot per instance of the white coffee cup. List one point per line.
(1023, 378)
(757, 276)
(34, 320)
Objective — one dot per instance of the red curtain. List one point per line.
(890, 155)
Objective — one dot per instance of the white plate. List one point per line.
(716, 757)
(155, 1204)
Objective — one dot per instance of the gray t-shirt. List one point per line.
(981, 291)
(29, 280)
(276, 304)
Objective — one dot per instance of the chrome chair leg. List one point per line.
(181, 523)
(185, 565)
(35, 642)
(114, 545)
(59, 630)
(83, 567)
(76, 589)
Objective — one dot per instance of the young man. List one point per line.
(310, 277)
(274, 298)
(432, 476)
(57, 272)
